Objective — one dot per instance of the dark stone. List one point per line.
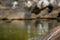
(36, 10)
(50, 7)
(58, 14)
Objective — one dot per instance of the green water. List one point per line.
(11, 31)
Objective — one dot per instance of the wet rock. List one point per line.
(19, 15)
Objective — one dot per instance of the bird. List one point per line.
(14, 4)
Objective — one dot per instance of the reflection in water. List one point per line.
(16, 30)
(42, 26)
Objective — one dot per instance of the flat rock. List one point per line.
(21, 14)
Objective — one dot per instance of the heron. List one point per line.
(14, 4)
